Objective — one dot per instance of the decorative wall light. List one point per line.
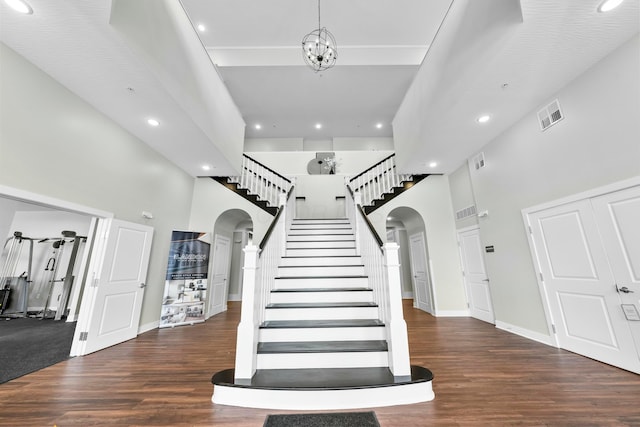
(319, 48)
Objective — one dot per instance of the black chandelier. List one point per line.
(319, 48)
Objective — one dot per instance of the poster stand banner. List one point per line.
(185, 289)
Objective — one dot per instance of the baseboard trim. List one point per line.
(452, 313)
(526, 333)
(148, 326)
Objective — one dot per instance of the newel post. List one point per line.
(247, 339)
(398, 340)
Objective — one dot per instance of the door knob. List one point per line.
(142, 285)
(624, 290)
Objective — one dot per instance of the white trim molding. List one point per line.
(148, 327)
(526, 333)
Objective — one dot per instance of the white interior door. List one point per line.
(579, 285)
(618, 217)
(219, 275)
(113, 310)
(475, 275)
(419, 272)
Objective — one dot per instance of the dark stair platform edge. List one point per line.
(321, 304)
(322, 379)
(387, 197)
(323, 323)
(304, 347)
(262, 204)
(294, 290)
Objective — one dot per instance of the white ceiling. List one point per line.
(381, 44)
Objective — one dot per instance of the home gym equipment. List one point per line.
(14, 290)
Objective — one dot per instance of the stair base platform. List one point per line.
(322, 389)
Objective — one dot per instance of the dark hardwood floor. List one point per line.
(483, 377)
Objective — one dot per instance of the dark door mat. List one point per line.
(335, 419)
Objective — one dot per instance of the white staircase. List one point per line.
(321, 341)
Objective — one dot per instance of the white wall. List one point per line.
(597, 143)
(432, 200)
(211, 199)
(53, 143)
(335, 144)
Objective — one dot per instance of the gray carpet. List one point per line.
(27, 345)
(331, 419)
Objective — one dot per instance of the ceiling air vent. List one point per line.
(550, 115)
(466, 212)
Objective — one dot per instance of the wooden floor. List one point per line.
(483, 377)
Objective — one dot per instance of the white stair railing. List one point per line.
(262, 181)
(260, 270)
(379, 179)
(382, 266)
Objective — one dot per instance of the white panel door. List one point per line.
(580, 286)
(114, 315)
(419, 272)
(475, 275)
(618, 216)
(219, 275)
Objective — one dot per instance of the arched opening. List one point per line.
(232, 231)
(405, 226)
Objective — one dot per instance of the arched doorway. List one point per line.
(232, 231)
(405, 226)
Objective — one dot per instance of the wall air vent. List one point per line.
(478, 161)
(465, 213)
(550, 115)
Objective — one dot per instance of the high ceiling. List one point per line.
(382, 44)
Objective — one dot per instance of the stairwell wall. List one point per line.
(432, 200)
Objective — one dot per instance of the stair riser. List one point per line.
(297, 226)
(368, 359)
(304, 261)
(320, 232)
(350, 296)
(321, 252)
(322, 334)
(332, 313)
(320, 221)
(315, 271)
(321, 244)
(315, 238)
(328, 282)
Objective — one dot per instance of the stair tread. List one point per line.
(354, 289)
(321, 265)
(319, 378)
(320, 304)
(321, 277)
(327, 323)
(321, 346)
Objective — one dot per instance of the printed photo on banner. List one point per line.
(185, 288)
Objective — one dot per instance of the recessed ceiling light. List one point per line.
(608, 5)
(318, 125)
(483, 119)
(19, 6)
(153, 122)
(379, 125)
(258, 126)
(202, 28)
(206, 167)
(433, 164)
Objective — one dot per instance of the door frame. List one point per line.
(428, 276)
(467, 289)
(210, 295)
(527, 212)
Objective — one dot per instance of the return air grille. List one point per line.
(465, 213)
(550, 115)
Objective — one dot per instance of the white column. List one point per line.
(247, 338)
(398, 340)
